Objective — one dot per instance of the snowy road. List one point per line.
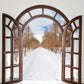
(42, 64)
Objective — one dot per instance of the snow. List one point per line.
(42, 64)
(41, 82)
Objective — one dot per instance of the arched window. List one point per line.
(42, 11)
(13, 32)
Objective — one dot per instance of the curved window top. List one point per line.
(42, 11)
(11, 24)
(73, 26)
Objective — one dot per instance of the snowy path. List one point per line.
(42, 64)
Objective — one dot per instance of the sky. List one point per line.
(39, 26)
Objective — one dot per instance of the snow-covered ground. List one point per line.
(42, 64)
(41, 82)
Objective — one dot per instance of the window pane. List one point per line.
(24, 18)
(73, 26)
(67, 73)
(8, 59)
(68, 46)
(68, 41)
(36, 12)
(7, 32)
(68, 34)
(16, 40)
(75, 75)
(11, 24)
(49, 12)
(75, 60)
(67, 59)
(77, 22)
(8, 75)
(16, 44)
(16, 58)
(8, 44)
(76, 46)
(60, 19)
(16, 73)
(76, 34)
(7, 21)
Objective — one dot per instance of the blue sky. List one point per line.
(46, 27)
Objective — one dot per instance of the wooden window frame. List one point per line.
(21, 29)
(72, 52)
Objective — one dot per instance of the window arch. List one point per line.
(42, 11)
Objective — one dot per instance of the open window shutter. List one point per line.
(12, 51)
(71, 64)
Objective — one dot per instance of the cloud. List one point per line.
(40, 25)
(39, 37)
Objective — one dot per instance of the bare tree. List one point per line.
(48, 40)
(28, 35)
(33, 43)
(51, 37)
(29, 41)
(55, 28)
